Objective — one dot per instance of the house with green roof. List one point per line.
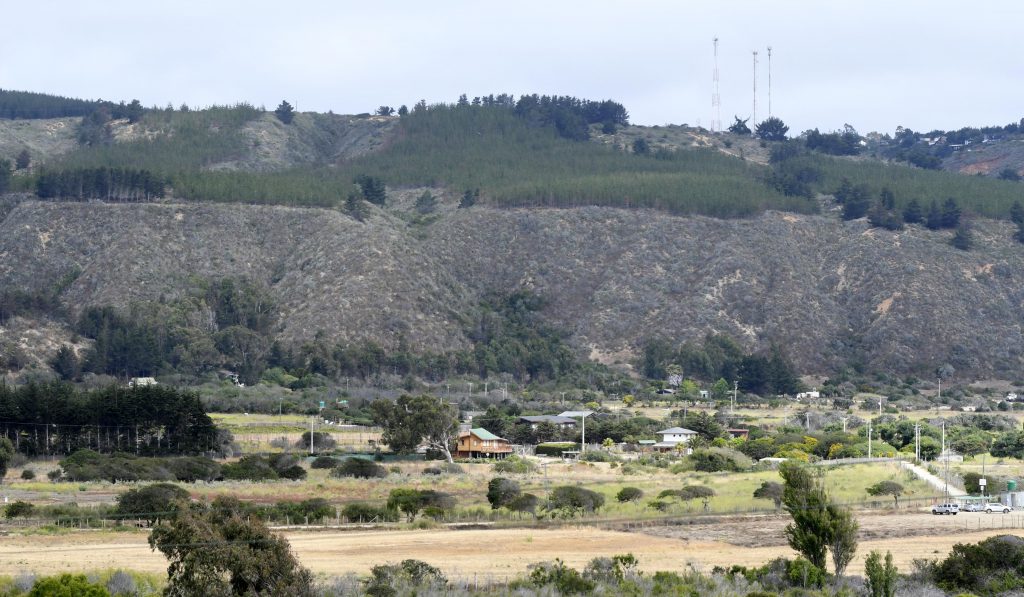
(480, 443)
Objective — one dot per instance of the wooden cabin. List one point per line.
(480, 443)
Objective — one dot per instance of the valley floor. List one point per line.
(500, 554)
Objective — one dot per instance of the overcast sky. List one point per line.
(873, 64)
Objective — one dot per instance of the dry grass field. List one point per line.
(504, 553)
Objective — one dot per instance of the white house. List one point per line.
(141, 382)
(674, 437)
(812, 395)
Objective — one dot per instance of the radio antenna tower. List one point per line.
(769, 81)
(716, 99)
(753, 117)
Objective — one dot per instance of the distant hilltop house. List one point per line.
(674, 438)
(480, 443)
(141, 382)
(812, 395)
(1011, 396)
(556, 420)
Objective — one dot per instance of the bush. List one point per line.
(368, 513)
(67, 584)
(629, 494)
(250, 468)
(567, 581)
(87, 465)
(599, 456)
(28, 474)
(569, 500)
(322, 442)
(359, 468)
(412, 577)
(502, 491)
(324, 462)
(555, 448)
(713, 460)
(294, 472)
(152, 502)
(988, 567)
(18, 508)
(515, 465)
(313, 509)
(526, 502)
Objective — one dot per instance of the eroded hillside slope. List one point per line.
(829, 292)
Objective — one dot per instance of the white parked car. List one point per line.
(997, 507)
(946, 509)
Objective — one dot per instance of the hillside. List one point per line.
(829, 293)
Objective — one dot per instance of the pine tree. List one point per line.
(963, 239)
(934, 219)
(912, 214)
(950, 214)
(23, 160)
(1017, 213)
(285, 113)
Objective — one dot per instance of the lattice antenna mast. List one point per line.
(769, 81)
(716, 99)
(753, 116)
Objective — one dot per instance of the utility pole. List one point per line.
(769, 81)
(563, 398)
(869, 439)
(844, 420)
(754, 115)
(879, 407)
(735, 388)
(807, 419)
(716, 99)
(470, 384)
(485, 388)
(311, 421)
(917, 441)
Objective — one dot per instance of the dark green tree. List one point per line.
(502, 492)
(469, 198)
(411, 421)
(284, 112)
(152, 502)
(65, 363)
(912, 214)
(356, 207)
(385, 111)
(6, 453)
(372, 189)
(23, 160)
(5, 175)
(223, 551)
(963, 239)
(887, 488)
(771, 129)
(403, 110)
(881, 578)
(950, 214)
(641, 146)
(1009, 174)
(770, 490)
(134, 111)
(1017, 213)
(426, 203)
(933, 221)
(739, 127)
(818, 525)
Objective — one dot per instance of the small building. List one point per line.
(141, 382)
(812, 395)
(480, 443)
(576, 414)
(674, 438)
(557, 420)
(738, 433)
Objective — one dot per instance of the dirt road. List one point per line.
(503, 553)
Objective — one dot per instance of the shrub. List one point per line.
(313, 509)
(719, 459)
(324, 462)
(359, 468)
(515, 465)
(569, 500)
(18, 508)
(411, 577)
(566, 580)
(526, 502)
(28, 474)
(629, 494)
(555, 448)
(502, 491)
(599, 456)
(989, 567)
(294, 472)
(322, 442)
(431, 470)
(152, 502)
(67, 584)
(121, 583)
(251, 468)
(55, 474)
(368, 513)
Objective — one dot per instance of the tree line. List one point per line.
(29, 105)
(108, 184)
(57, 418)
(719, 357)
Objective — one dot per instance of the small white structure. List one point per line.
(674, 438)
(812, 395)
(1011, 396)
(141, 382)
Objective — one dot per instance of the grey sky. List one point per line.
(872, 64)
